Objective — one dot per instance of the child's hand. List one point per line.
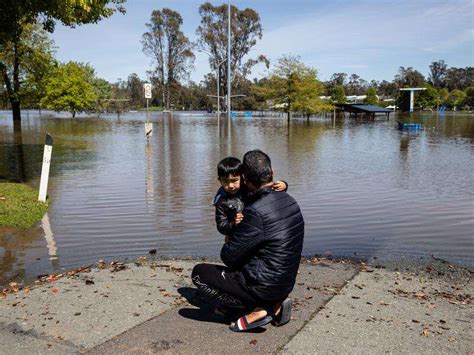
(279, 186)
(238, 218)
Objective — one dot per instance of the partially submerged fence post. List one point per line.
(48, 148)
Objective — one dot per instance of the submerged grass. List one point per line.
(19, 206)
(152, 108)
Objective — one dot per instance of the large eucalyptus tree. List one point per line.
(246, 29)
(170, 50)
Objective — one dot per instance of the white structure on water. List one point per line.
(412, 98)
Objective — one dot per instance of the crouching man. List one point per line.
(262, 256)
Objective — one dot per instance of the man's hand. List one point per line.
(279, 186)
(238, 218)
(226, 239)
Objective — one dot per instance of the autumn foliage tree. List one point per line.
(294, 87)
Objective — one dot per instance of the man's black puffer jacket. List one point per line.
(266, 246)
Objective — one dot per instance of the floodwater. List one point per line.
(365, 188)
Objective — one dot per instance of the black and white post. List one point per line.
(48, 148)
(148, 124)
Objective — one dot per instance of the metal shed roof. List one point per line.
(371, 108)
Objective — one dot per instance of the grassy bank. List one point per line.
(152, 108)
(19, 206)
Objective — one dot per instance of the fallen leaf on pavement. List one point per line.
(54, 290)
(463, 299)
(253, 341)
(426, 332)
(421, 296)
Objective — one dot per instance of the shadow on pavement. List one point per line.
(207, 315)
(192, 296)
(205, 309)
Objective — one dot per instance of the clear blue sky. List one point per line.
(371, 38)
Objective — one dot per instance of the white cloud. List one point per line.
(453, 41)
(371, 37)
(366, 29)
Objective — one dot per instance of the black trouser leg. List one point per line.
(224, 285)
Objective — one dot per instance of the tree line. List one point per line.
(31, 75)
(451, 87)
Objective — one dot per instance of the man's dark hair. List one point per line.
(229, 166)
(257, 168)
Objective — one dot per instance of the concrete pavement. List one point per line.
(150, 307)
(410, 312)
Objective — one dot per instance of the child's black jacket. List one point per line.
(227, 205)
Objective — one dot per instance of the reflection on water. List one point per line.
(364, 187)
(49, 237)
(149, 184)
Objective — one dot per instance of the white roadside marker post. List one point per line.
(148, 124)
(48, 148)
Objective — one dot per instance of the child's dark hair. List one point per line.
(229, 166)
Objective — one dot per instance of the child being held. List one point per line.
(229, 198)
